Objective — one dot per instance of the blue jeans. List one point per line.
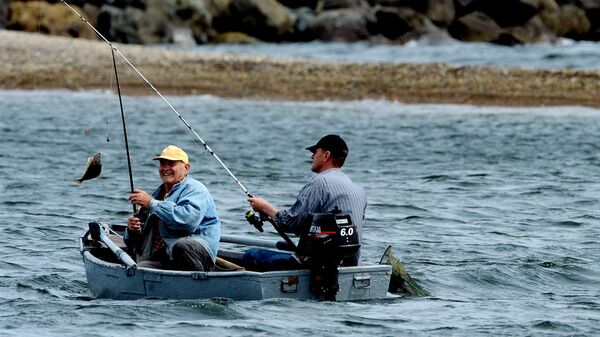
(258, 259)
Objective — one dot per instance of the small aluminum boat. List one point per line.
(109, 277)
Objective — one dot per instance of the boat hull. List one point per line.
(113, 280)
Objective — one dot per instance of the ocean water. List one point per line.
(494, 210)
(564, 54)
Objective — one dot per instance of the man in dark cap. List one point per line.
(328, 189)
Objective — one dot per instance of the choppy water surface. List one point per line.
(494, 210)
(565, 54)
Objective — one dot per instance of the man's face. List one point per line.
(318, 158)
(172, 172)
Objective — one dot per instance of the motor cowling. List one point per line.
(330, 238)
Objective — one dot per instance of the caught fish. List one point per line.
(400, 281)
(93, 169)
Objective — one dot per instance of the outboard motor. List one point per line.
(331, 238)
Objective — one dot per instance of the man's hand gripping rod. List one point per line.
(257, 221)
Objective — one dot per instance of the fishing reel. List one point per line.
(255, 220)
(142, 214)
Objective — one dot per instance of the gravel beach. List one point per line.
(36, 61)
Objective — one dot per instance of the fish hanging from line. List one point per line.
(93, 169)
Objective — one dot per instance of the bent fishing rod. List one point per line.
(198, 138)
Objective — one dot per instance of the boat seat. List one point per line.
(224, 265)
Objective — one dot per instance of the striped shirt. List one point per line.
(321, 194)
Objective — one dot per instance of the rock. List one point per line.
(141, 4)
(592, 11)
(475, 27)
(338, 4)
(348, 25)
(534, 31)
(53, 19)
(132, 25)
(91, 12)
(299, 3)
(234, 37)
(395, 23)
(431, 34)
(507, 13)
(418, 5)
(218, 7)
(573, 22)
(463, 7)
(267, 20)
(153, 27)
(302, 32)
(197, 15)
(183, 36)
(551, 17)
(115, 26)
(440, 12)
(593, 35)
(4, 5)
(588, 4)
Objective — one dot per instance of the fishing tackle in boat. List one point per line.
(185, 123)
(93, 169)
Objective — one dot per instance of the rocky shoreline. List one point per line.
(36, 61)
(506, 22)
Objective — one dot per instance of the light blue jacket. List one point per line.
(188, 211)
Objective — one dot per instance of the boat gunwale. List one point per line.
(87, 255)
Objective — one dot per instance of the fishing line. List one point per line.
(202, 142)
(107, 130)
(39, 32)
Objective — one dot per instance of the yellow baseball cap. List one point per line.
(174, 153)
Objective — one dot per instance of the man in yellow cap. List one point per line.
(182, 228)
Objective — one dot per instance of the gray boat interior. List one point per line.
(228, 260)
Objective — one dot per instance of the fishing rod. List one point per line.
(206, 147)
(124, 127)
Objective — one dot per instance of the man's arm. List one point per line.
(186, 213)
(262, 206)
(309, 200)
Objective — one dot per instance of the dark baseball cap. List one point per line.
(333, 143)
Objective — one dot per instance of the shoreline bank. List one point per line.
(35, 61)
